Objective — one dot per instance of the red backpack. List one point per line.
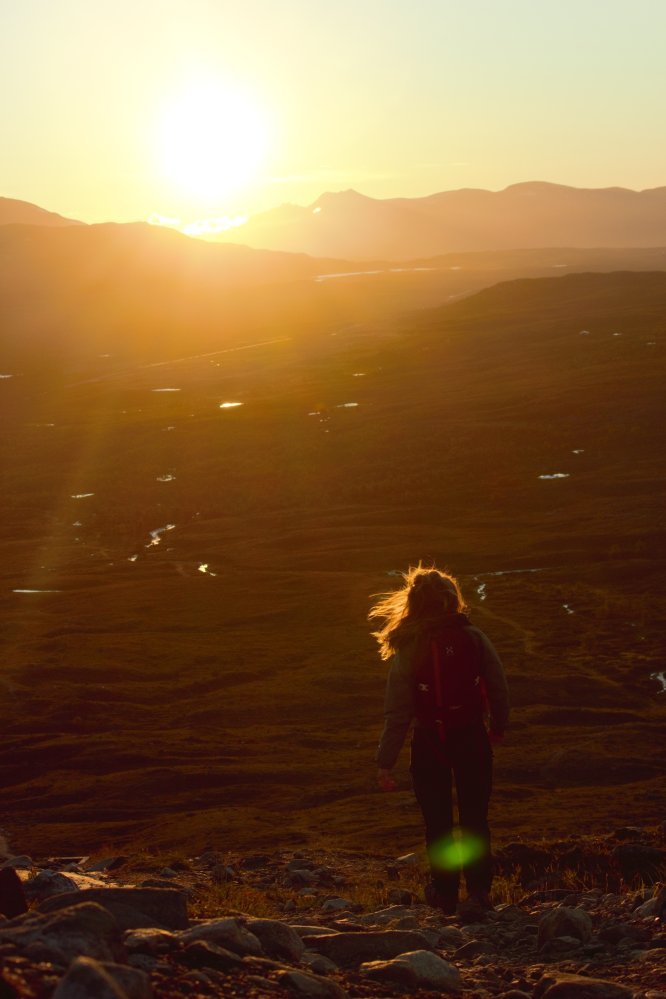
(449, 689)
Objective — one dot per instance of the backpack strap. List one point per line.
(439, 693)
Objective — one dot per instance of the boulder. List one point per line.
(204, 954)
(564, 922)
(85, 929)
(277, 939)
(150, 941)
(133, 908)
(351, 949)
(89, 979)
(311, 985)
(103, 864)
(418, 969)
(229, 933)
(562, 986)
(48, 883)
(336, 905)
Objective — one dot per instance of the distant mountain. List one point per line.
(523, 216)
(13, 212)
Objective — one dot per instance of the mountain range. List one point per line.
(531, 215)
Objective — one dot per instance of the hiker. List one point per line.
(446, 677)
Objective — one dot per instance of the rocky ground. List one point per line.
(581, 919)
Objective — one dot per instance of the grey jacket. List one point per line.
(399, 700)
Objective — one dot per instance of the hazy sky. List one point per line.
(115, 110)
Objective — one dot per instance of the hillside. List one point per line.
(15, 212)
(139, 293)
(527, 216)
(188, 550)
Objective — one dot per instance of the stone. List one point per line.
(133, 908)
(653, 907)
(409, 860)
(350, 949)
(298, 878)
(229, 933)
(309, 931)
(311, 985)
(150, 941)
(416, 969)
(22, 863)
(317, 963)
(277, 939)
(562, 922)
(89, 979)
(564, 986)
(103, 864)
(48, 883)
(12, 897)
(400, 896)
(204, 954)
(336, 905)
(472, 949)
(84, 929)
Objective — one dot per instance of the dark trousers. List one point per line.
(466, 754)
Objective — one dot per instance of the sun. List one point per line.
(212, 139)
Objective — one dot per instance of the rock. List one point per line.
(150, 941)
(653, 907)
(204, 954)
(299, 878)
(87, 979)
(22, 863)
(90, 979)
(416, 969)
(103, 864)
(399, 896)
(472, 949)
(229, 933)
(309, 931)
(12, 897)
(509, 913)
(133, 908)
(255, 860)
(562, 922)
(336, 905)
(84, 929)
(317, 963)
(640, 862)
(563, 986)
(408, 860)
(350, 949)
(168, 872)
(277, 939)
(48, 883)
(449, 936)
(311, 985)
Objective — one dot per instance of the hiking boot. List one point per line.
(437, 900)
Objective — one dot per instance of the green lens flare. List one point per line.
(454, 852)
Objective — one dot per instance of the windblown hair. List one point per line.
(426, 596)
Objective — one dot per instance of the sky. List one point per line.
(190, 109)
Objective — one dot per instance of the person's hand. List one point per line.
(496, 738)
(386, 780)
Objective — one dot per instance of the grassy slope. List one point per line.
(147, 699)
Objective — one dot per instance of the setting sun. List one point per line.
(212, 139)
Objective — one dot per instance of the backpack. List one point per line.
(449, 690)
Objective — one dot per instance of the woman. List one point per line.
(446, 677)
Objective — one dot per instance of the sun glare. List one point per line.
(212, 139)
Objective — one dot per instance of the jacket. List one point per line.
(399, 709)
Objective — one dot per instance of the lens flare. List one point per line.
(456, 851)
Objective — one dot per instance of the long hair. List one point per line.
(427, 594)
